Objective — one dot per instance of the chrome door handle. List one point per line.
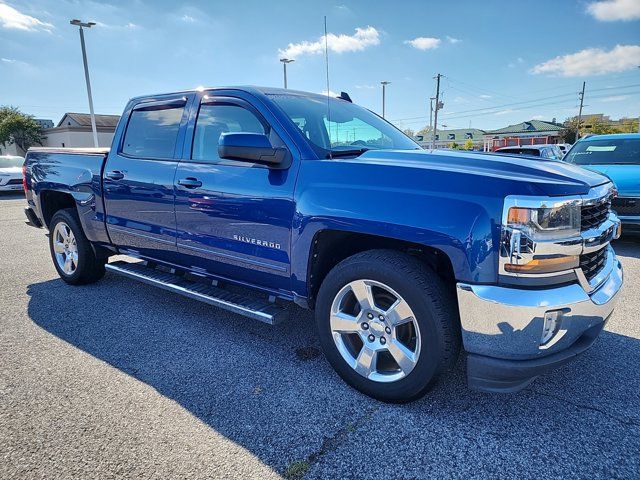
(190, 182)
(115, 175)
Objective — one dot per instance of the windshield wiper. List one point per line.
(347, 153)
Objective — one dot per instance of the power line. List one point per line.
(489, 110)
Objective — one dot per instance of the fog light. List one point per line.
(552, 321)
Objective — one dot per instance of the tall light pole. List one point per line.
(284, 64)
(80, 25)
(384, 93)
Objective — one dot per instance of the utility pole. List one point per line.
(431, 99)
(435, 116)
(581, 95)
(284, 64)
(384, 85)
(80, 24)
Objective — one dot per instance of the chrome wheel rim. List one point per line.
(65, 248)
(375, 331)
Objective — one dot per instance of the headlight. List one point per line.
(531, 231)
(546, 223)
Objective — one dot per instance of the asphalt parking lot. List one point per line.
(121, 379)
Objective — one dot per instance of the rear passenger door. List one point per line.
(138, 177)
(234, 218)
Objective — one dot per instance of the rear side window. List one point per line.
(534, 152)
(152, 131)
(216, 119)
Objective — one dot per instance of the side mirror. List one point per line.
(250, 147)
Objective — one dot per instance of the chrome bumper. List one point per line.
(507, 323)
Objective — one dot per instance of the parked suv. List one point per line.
(550, 152)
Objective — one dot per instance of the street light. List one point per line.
(284, 64)
(384, 85)
(80, 25)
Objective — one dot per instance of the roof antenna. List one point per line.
(326, 61)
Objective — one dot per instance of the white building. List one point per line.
(74, 130)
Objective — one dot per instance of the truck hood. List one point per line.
(550, 178)
(625, 177)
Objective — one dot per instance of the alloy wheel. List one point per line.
(375, 331)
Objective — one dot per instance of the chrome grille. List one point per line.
(592, 263)
(626, 206)
(592, 216)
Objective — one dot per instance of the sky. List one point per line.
(503, 62)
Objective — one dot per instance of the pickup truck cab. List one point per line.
(618, 157)
(248, 197)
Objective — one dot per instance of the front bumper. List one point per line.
(502, 327)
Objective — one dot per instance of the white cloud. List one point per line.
(366, 87)
(537, 117)
(453, 40)
(424, 43)
(187, 18)
(11, 18)
(363, 38)
(614, 98)
(592, 61)
(8, 60)
(485, 96)
(612, 10)
(504, 112)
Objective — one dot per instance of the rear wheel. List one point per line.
(72, 255)
(387, 324)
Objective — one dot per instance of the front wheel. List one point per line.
(387, 324)
(72, 255)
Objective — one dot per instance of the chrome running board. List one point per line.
(248, 306)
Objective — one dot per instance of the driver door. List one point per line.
(233, 218)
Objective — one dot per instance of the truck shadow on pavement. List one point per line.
(270, 390)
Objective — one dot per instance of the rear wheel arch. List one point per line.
(52, 201)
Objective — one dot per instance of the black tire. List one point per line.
(435, 311)
(89, 268)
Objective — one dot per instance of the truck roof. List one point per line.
(253, 89)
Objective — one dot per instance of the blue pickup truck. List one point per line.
(618, 157)
(247, 198)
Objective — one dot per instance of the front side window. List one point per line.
(605, 152)
(340, 128)
(217, 118)
(152, 132)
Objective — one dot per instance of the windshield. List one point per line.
(348, 129)
(11, 161)
(605, 152)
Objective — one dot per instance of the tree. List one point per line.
(409, 132)
(468, 145)
(19, 129)
(425, 132)
(454, 146)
